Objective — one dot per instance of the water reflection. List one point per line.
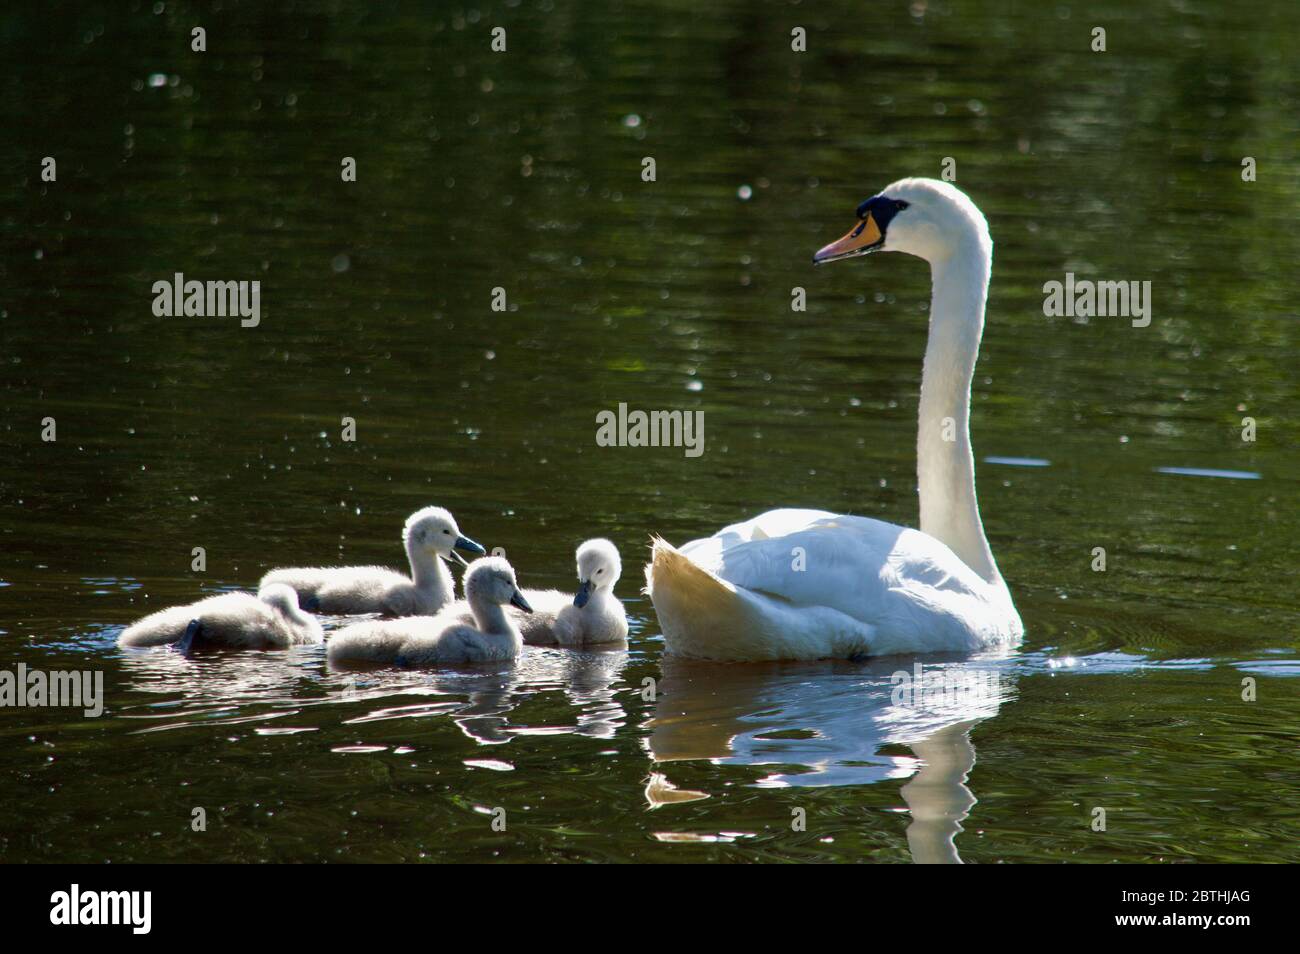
(219, 688)
(937, 795)
(833, 723)
(484, 698)
(227, 688)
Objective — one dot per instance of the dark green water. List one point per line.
(521, 170)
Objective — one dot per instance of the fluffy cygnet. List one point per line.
(269, 620)
(429, 534)
(594, 615)
(436, 640)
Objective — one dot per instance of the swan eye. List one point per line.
(599, 572)
(448, 532)
(900, 205)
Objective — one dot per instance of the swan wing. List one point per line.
(907, 589)
(814, 557)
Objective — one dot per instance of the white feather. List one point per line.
(429, 537)
(270, 620)
(445, 638)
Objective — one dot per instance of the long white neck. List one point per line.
(599, 600)
(490, 617)
(299, 618)
(430, 573)
(945, 465)
(290, 611)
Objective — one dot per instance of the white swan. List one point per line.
(594, 615)
(445, 638)
(429, 533)
(808, 584)
(269, 620)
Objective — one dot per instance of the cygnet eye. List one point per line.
(448, 532)
(600, 571)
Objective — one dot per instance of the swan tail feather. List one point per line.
(700, 614)
(707, 617)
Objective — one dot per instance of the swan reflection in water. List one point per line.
(816, 724)
(826, 723)
(229, 688)
(480, 700)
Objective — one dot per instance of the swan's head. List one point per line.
(280, 597)
(598, 569)
(922, 217)
(434, 531)
(492, 580)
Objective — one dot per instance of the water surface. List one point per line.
(522, 171)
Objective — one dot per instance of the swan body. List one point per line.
(809, 584)
(593, 616)
(430, 537)
(269, 620)
(439, 640)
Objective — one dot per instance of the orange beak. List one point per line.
(864, 238)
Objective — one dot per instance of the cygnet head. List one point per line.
(598, 569)
(434, 531)
(280, 597)
(922, 217)
(492, 580)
